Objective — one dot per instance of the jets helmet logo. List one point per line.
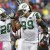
(24, 6)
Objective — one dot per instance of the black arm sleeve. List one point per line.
(44, 26)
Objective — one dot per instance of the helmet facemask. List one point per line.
(23, 8)
(21, 12)
(3, 16)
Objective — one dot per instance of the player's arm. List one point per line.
(14, 22)
(42, 23)
(15, 25)
(43, 41)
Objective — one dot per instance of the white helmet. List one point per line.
(2, 10)
(24, 7)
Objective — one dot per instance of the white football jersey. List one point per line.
(29, 27)
(5, 27)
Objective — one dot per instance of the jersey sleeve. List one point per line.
(38, 15)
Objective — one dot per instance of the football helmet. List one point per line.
(23, 8)
(2, 14)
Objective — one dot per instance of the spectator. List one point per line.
(7, 8)
(12, 5)
(34, 6)
(48, 6)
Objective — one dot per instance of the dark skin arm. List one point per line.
(43, 41)
(15, 27)
(41, 23)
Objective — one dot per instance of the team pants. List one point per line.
(5, 46)
(23, 45)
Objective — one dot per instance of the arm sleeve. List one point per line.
(42, 24)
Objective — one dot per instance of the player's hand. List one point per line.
(43, 42)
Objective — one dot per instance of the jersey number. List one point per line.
(5, 29)
(29, 24)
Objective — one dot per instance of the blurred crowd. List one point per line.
(41, 6)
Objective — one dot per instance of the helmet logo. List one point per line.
(24, 6)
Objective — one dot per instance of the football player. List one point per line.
(5, 29)
(28, 22)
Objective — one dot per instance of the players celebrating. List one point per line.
(28, 22)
